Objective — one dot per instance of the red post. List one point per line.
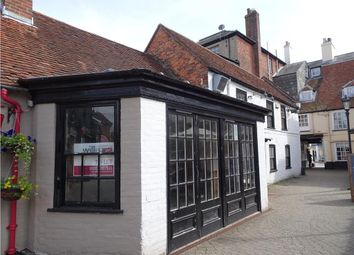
(14, 170)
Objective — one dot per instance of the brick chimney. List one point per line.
(327, 49)
(253, 32)
(20, 10)
(287, 52)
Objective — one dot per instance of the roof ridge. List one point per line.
(225, 62)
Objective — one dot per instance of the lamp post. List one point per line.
(346, 105)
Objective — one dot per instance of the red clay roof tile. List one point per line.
(214, 61)
(51, 48)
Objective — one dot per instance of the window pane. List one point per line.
(180, 126)
(190, 173)
(213, 130)
(89, 190)
(107, 165)
(73, 190)
(208, 169)
(189, 127)
(90, 165)
(181, 148)
(107, 191)
(173, 173)
(181, 172)
(89, 126)
(73, 166)
(173, 148)
(189, 148)
(202, 169)
(190, 192)
(182, 196)
(173, 198)
(201, 129)
(172, 125)
(208, 129)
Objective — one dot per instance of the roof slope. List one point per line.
(329, 87)
(290, 68)
(213, 61)
(51, 48)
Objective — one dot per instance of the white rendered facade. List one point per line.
(272, 136)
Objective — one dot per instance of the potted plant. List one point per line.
(21, 147)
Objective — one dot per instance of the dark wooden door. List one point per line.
(233, 188)
(183, 218)
(209, 197)
(248, 164)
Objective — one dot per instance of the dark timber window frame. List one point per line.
(270, 115)
(241, 95)
(60, 205)
(272, 158)
(287, 156)
(284, 125)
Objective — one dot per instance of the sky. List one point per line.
(304, 23)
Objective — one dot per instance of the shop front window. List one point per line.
(89, 171)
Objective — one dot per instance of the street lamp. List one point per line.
(346, 105)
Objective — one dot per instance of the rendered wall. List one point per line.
(278, 137)
(322, 123)
(141, 229)
(22, 205)
(88, 233)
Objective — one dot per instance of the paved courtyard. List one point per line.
(309, 214)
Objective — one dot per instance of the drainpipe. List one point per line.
(14, 171)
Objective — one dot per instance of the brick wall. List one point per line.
(20, 7)
(245, 53)
(180, 61)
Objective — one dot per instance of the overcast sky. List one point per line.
(304, 23)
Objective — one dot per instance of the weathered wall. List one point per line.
(88, 233)
(22, 205)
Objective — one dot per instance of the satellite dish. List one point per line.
(221, 27)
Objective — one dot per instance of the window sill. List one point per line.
(343, 129)
(85, 210)
(289, 167)
(273, 170)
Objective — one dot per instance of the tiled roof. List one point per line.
(329, 87)
(290, 68)
(336, 60)
(51, 48)
(213, 61)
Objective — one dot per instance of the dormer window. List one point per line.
(215, 49)
(315, 72)
(307, 96)
(348, 92)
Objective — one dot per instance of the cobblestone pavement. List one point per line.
(310, 214)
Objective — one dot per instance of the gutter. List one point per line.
(13, 88)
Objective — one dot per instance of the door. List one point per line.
(209, 200)
(248, 174)
(182, 216)
(233, 202)
(241, 197)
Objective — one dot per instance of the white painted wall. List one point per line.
(153, 177)
(278, 137)
(263, 174)
(142, 228)
(88, 233)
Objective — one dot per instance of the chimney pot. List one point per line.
(287, 52)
